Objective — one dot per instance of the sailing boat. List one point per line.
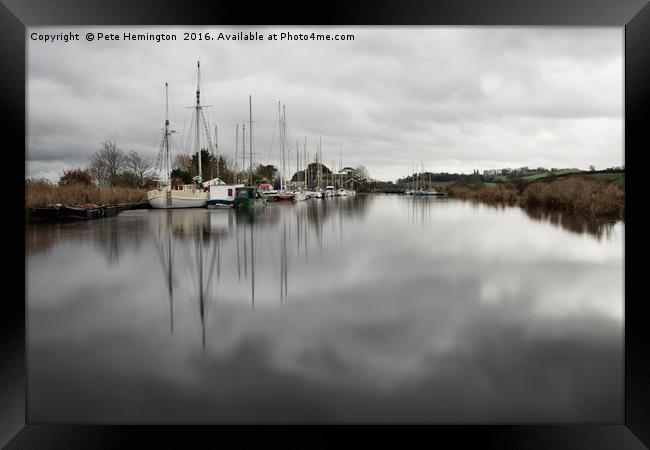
(283, 195)
(299, 193)
(185, 195)
(220, 194)
(249, 197)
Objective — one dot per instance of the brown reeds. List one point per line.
(496, 195)
(592, 197)
(595, 198)
(40, 193)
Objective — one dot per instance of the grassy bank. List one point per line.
(592, 197)
(39, 193)
(616, 177)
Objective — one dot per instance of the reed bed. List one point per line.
(40, 193)
(498, 194)
(594, 198)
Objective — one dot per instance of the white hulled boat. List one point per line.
(186, 195)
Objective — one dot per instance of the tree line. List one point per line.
(110, 166)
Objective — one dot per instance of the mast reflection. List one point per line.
(193, 245)
(164, 243)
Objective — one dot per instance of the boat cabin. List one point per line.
(248, 192)
(222, 194)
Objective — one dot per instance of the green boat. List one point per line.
(249, 197)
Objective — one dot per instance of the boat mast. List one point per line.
(198, 118)
(243, 149)
(320, 162)
(284, 138)
(250, 135)
(216, 150)
(167, 133)
(281, 146)
(306, 162)
(413, 177)
(236, 147)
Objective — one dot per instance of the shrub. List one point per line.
(75, 176)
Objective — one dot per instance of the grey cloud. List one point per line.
(381, 98)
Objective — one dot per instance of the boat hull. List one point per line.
(47, 214)
(300, 196)
(215, 204)
(284, 197)
(179, 199)
(71, 212)
(271, 197)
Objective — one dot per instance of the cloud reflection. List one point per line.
(426, 329)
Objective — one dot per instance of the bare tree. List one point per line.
(138, 165)
(107, 163)
(97, 171)
(362, 173)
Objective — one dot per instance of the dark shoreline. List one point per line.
(73, 213)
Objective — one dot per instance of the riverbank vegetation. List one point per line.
(595, 197)
(496, 194)
(113, 176)
(41, 193)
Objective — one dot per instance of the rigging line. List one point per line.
(185, 127)
(160, 114)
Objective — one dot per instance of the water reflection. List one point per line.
(165, 248)
(420, 209)
(360, 309)
(575, 223)
(205, 235)
(40, 238)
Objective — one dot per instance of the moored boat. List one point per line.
(249, 197)
(269, 193)
(187, 195)
(300, 196)
(221, 195)
(86, 211)
(285, 196)
(45, 214)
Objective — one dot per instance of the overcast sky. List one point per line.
(444, 98)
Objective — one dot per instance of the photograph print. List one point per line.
(332, 224)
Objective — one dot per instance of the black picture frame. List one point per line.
(633, 15)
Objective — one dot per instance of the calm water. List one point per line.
(366, 309)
